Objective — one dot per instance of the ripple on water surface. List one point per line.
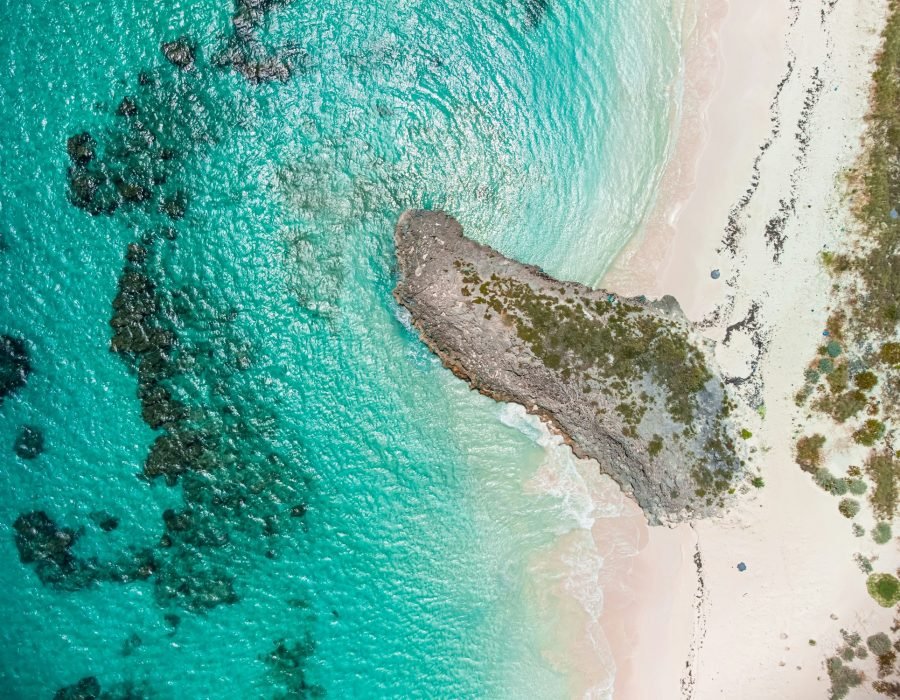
(231, 469)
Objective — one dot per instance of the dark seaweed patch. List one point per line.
(41, 542)
(29, 442)
(14, 365)
(287, 664)
(245, 53)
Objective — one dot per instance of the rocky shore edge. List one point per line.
(626, 381)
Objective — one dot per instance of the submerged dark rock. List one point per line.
(127, 107)
(131, 644)
(174, 453)
(535, 11)
(40, 541)
(181, 52)
(87, 688)
(38, 538)
(105, 521)
(626, 381)
(81, 148)
(194, 586)
(174, 205)
(287, 663)
(29, 442)
(14, 365)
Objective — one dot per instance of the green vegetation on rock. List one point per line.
(606, 341)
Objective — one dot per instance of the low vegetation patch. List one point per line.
(881, 533)
(842, 678)
(860, 358)
(830, 483)
(809, 452)
(882, 469)
(870, 432)
(849, 507)
(884, 588)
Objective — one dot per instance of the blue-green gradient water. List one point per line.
(360, 524)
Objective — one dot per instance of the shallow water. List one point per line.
(355, 522)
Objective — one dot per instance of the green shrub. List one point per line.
(833, 349)
(884, 588)
(757, 482)
(879, 644)
(864, 563)
(881, 533)
(654, 447)
(809, 452)
(842, 678)
(870, 432)
(746, 434)
(857, 486)
(890, 689)
(858, 530)
(826, 365)
(866, 380)
(830, 483)
(842, 406)
(882, 468)
(811, 375)
(849, 507)
(803, 393)
(839, 379)
(890, 354)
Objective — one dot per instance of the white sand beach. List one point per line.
(775, 99)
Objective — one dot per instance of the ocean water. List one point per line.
(271, 489)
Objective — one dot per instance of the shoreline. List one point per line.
(779, 101)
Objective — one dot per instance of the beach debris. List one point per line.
(894, 214)
(741, 566)
(715, 274)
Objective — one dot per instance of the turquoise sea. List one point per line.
(270, 488)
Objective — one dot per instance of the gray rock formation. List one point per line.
(626, 381)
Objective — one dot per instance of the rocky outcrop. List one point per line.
(626, 381)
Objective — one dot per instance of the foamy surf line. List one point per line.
(571, 572)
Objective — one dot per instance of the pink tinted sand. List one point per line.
(733, 59)
(747, 634)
